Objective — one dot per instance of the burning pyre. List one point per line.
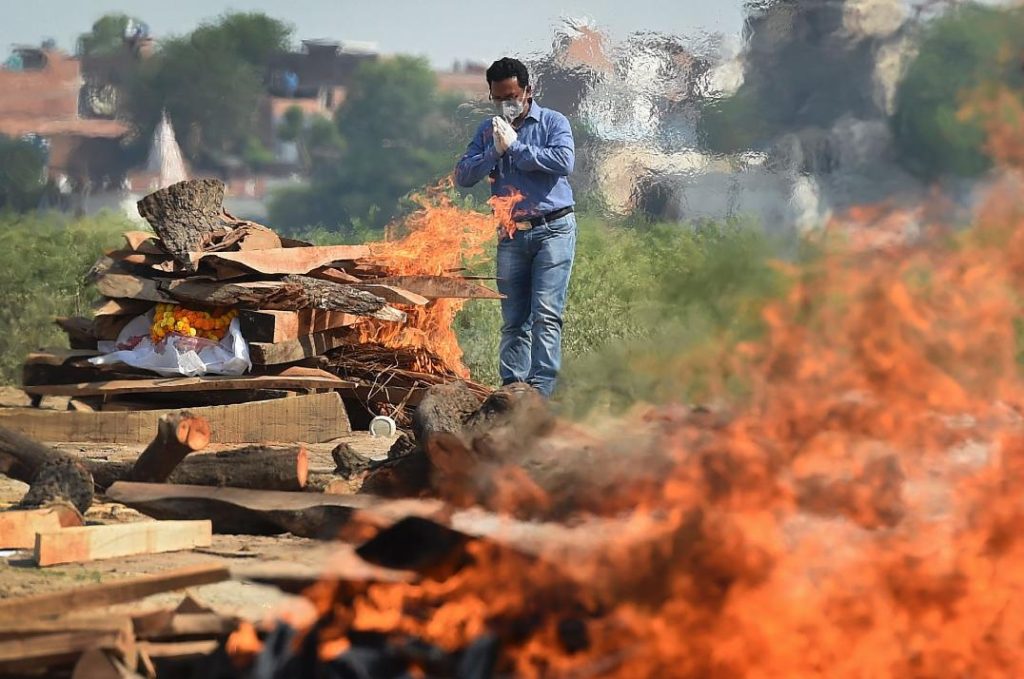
(856, 516)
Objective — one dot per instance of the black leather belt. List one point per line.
(549, 217)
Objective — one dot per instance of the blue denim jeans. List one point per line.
(533, 275)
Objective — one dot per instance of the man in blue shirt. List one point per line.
(527, 150)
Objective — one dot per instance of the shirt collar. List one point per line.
(534, 112)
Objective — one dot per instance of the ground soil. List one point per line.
(19, 576)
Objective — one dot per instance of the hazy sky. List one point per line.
(443, 30)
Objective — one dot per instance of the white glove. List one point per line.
(504, 135)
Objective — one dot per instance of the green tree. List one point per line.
(21, 175)
(967, 48)
(210, 83)
(397, 133)
(107, 34)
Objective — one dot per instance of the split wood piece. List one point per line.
(315, 418)
(33, 374)
(329, 273)
(121, 307)
(18, 527)
(109, 593)
(283, 261)
(255, 512)
(161, 262)
(143, 241)
(392, 294)
(92, 543)
(186, 384)
(294, 577)
(179, 650)
(186, 215)
(80, 331)
(262, 468)
(39, 651)
(264, 353)
(57, 357)
(52, 476)
(129, 286)
(177, 435)
(282, 326)
(166, 625)
(438, 287)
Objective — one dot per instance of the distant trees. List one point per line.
(210, 83)
(394, 133)
(961, 53)
(21, 175)
(107, 34)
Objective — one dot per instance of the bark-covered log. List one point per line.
(257, 468)
(51, 475)
(185, 215)
(177, 435)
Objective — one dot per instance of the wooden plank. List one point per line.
(121, 307)
(282, 326)
(437, 287)
(265, 353)
(109, 593)
(178, 650)
(18, 528)
(315, 418)
(282, 261)
(57, 357)
(44, 650)
(92, 543)
(127, 286)
(337, 275)
(257, 512)
(165, 385)
(392, 294)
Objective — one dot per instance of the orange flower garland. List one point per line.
(171, 319)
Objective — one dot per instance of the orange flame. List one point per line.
(440, 238)
(858, 516)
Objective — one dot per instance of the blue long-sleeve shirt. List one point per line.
(536, 165)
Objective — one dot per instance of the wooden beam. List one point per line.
(281, 326)
(315, 418)
(165, 385)
(109, 593)
(255, 512)
(45, 650)
(437, 287)
(18, 528)
(92, 543)
(281, 261)
(265, 353)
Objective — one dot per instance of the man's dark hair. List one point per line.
(506, 68)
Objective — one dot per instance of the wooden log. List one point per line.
(109, 593)
(130, 286)
(92, 543)
(281, 326)
(392, 294)
(315, 418)
(177, 435)
(186, 384)
(290, 351)
(258, 468)
(186, 215)
(121, 307)
(254, 512)
(438, 287)
(18, 527)
(283, 261)
(52, 476)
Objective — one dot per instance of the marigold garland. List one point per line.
(171, 319)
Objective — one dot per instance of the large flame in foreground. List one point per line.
(859, 516)
(438, 238)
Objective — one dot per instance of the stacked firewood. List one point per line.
(300, 309)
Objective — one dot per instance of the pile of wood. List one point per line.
(300, 310)
(61, 634)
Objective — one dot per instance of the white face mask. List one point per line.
(510, 109)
